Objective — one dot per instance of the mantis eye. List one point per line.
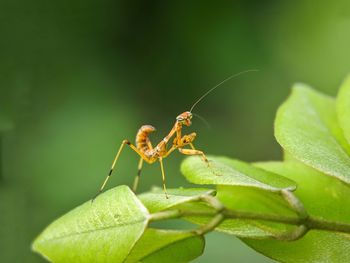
(179, 118)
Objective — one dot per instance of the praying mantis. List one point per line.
(151, 154)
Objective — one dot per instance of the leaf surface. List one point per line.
(245, 199)
(155, 200)
(166, 245)
(343, 107)
(241, 187)
(225, 171)
(103, 231)
(314, 247)
(323, 196)
(306, 127)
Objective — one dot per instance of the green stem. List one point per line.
(294, 203)
(163, 215)
(220, 213)
(322, 224)
(211, 225)
(266, 217)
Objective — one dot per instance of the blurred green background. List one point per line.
(78, 77)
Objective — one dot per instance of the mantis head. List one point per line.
(185, 118)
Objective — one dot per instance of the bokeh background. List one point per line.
(77, 77)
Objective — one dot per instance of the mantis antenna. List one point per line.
(218, 85)
(206, 123)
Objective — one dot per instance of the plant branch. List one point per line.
(322, 224)
(220, 213)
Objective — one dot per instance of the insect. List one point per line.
(144, 148)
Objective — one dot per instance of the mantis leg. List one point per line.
(137, 178)
(163, 177)
(170, 151)
(193, 151)
(115, 161)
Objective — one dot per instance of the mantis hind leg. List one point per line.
(163, 177)
(137, 178)
(115, 161)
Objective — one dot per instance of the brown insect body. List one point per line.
(142, 141)
(150, 154)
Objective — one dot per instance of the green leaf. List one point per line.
(255, 229)
(253, 200)
(155, 200)
(166, 245)
(315, 246)
(225, 171)
(245, 199)
(102, 231)
(322, 196)
(306, 127)
(343, 107)
(243, 187)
